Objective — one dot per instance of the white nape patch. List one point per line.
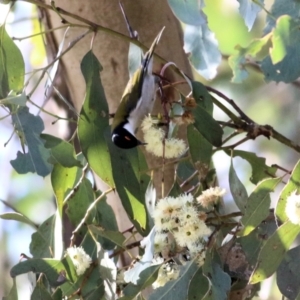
(144, 105)
(129, 128)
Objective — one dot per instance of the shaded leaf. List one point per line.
(287, 275)
(258, 49)
(62, 152)
(199, 286)
(249, 10)
(131, 185)
(292, 185)
(260, 170)
(258, 205)
(29, 127)
(273, 251)
(18, 217)
(40, 292)
(63, 180)
(42, 241)
(14, 100)
(208, 126)
(106, 219)
(202, 45)
(12, 67)
(115, 236)
(50, 267)
(147, 277)
(13, 293)
(202, 96)
(237, 189)
(79, 203)
(220, 281)
(176, 289)
(282, 64)
(94, 120)
(188, 12)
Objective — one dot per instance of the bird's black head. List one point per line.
(122, 138)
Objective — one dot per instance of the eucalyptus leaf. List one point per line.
(273, 251)
(94, 120)
(62, 152)
(260, 170)
(287, 275)
(249, 10)
(257, 207)
(40, 292)
(189, 12)
(42, 241)
(131, 185)
(177, 289)
(199, 286)
(292, 185)
(202, 45)
(18, 217)
(238, 190)
(29, 127)
(12, 67)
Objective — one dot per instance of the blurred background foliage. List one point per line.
(276, 104)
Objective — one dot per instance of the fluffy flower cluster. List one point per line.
(154, 137)
(80, 259)
(292, 208)
(180, 217)
(167, 272)
(211, 196)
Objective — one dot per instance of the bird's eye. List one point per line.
(127, 138)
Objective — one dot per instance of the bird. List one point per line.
(137, 102)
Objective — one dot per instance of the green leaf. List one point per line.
(202, 96)
(176, 289)
(18, 217)
(273, 251)
(284, 57)
(205, 56)
(42, 241)
(207, 126)
(279, 8)
(292, 185)
(188, 12)
(63, 180)
(62, 152)
(260, 170)
(50, 267)
(131, 185)
(147, 277)
(40, 292)
(287, 275)
(29, 128)
(78, 205)
(12, 67)
(252, 243)
(199, 286)
(200, 148)
(249, 10)
(14, 100)
(13, 293)
(105, 218)
(115, 236)
(258, 205)
(237, 189)
(94, 120)
(220, 281)
(258, 49)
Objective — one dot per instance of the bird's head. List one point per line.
(122, 138)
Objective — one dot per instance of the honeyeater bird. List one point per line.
(137, 102)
